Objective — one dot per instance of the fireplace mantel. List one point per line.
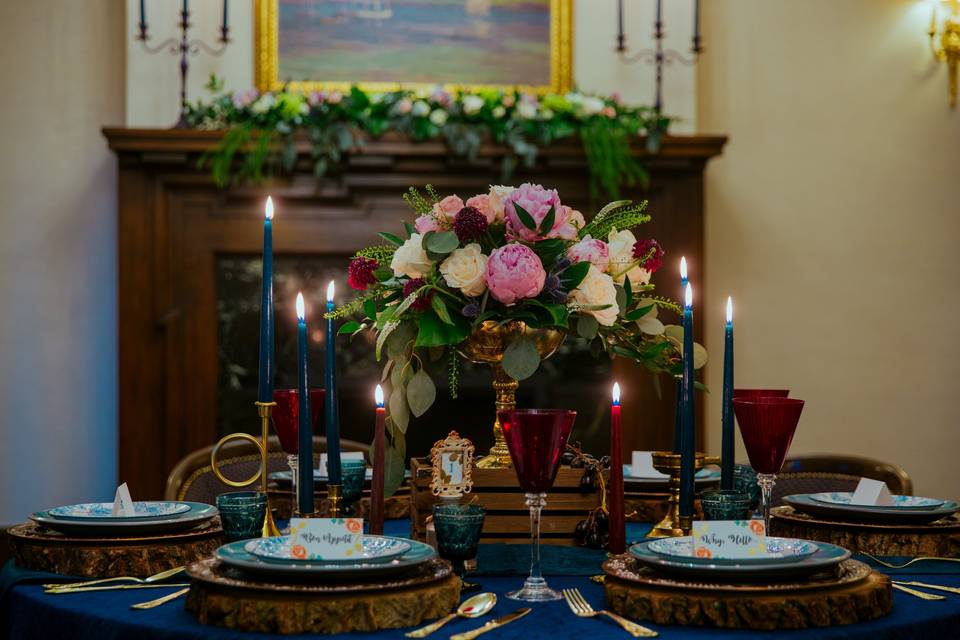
(174, 222)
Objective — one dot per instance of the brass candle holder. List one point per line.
(673, 524)
(335, 497)
(264, 410)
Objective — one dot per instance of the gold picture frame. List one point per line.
(267, 62)
(452, 462)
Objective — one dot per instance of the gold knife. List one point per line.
(490, 626)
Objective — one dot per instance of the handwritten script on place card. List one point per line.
(326, 538)
(729, 539)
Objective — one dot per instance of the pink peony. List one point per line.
(536, 201)
(448, 208)
(514, 272)
(590, 250)
(482, 204)
(426, 223)
(316, 98)
(244, 98)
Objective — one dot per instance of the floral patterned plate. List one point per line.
(104, 510)
(376, 549)
(780, 550)
(899, 502)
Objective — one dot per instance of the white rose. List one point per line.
(596, 290)
(592, 105)
(438, 117)
(464, 269)
(527, 111)
(472, 104)
(621, 256)
(264, 103)
(498, 111)
(410, 259)
(498, 195)
(420, 108)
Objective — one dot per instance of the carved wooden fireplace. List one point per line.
(189, 290)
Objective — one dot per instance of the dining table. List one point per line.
(26, 612)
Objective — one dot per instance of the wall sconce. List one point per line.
(948, 49)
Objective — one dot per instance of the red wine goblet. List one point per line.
(767, 425)
(536, 439)
(753, 394)
(285, 416)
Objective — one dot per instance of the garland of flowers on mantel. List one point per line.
(262, 128)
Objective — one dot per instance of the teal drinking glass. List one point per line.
(719, 504)
(353, 473)
(242, 514)
(458, 528)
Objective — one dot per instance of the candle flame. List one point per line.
(378, 396)
(330, 292)
(729, 309)
(688, 296)
(268, 213)
(683, 267)
(616, 393)
(301, 313)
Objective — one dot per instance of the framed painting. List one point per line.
(384, 45)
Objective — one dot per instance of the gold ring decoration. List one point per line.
(216, 449)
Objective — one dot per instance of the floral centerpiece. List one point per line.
(509, 257)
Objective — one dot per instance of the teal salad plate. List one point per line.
(780, 550)
(235, 555)
(104, 510)
(704, 475)
(196, 514)
(899, 502)
(376, 549)
(825, 557)
(805, 503)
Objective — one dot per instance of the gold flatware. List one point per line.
(115, 587)
(490, 626)
(150, 604)
(939, 587)
(472, 607)
(909, 562)
(581, 608)
(919, 594)
(157, 577)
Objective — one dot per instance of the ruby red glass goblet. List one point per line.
(285, 421)
(767, 425)
(536, 439)
(753, 394)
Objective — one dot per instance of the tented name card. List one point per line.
(326, 538)
(729, 538)
(872, 492)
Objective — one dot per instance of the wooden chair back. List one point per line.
(827, 472)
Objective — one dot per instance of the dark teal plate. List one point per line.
(198, 513)
(803, 502)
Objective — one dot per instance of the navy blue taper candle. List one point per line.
(687, 443)
(726, 445)
(265, 382)
(304, 428)
(332, 413)
(678, 411)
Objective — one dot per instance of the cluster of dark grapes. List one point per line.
(594, 530)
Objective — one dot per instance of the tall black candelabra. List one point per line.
(659, 56)
(185, 47)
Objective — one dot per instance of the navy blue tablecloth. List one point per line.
(27, 613)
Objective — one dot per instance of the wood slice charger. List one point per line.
(940, 538)
(226, 597)
(41, 549)
(852, 593)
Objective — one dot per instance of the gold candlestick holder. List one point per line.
(264, 410)
(336, 500)
(673, 524)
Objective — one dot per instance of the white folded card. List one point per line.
(872, 492)
(123, 503)
(326, 538)
(344, 455)
(729, 539)
(641, 466)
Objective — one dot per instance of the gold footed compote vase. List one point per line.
(668, 462)
(486, 346)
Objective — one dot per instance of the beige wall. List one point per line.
(63, 75)
(833, 219)
(153, 81)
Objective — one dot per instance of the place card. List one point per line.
(344, 455)
(729, 538)
(872, 492)
(326, 538)
(123, 503)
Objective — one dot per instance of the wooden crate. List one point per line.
(507, 515)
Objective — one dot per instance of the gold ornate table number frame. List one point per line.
(452, 461)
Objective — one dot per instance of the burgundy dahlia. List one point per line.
(422, 303)
(470, 224)
(361, 272)
(649, 248)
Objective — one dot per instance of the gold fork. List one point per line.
(919, 594)
(150, 604)
(925, 585)
(157, 577)
(582, 608)
(114, 587)
(908, 563)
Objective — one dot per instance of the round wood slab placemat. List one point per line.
(940, 538)
(41, 549)
(853, 593)
(229, 598)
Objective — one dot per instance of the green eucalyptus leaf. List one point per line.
(400, 339)
(394, 464)
(399, 411)
(587, 326)
(389, 237)
(421, 392)
(525, 218)
(521, 359)
(699, 355)
(400, 374)
(386, 370)
(442, 242)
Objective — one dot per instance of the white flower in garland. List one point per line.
(472, 104)
(264, 103)
(439, 117)
(592, 105)
(527, 110)
(420, 108)
(498, 111)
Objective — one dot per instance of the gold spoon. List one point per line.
(919, 594)
(157, 577)
(908, 563)
(926, 585)
(472, 607)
